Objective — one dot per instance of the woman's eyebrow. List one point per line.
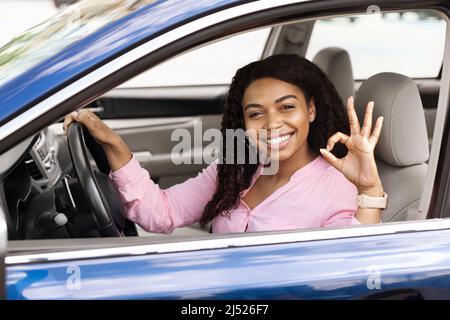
(252, 105)
(256, 105)
(285, 97)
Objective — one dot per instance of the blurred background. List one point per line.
(16, 16)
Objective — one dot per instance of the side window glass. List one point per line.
(215, 63)
(410, 43)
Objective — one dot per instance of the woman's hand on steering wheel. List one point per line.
(117, 152)
(97, 128)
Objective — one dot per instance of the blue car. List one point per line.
(147, 67)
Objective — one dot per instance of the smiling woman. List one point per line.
(298, 108)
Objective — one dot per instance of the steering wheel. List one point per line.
(102, 197)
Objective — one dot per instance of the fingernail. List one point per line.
(328, 147)
(322, 150)
(74, 114)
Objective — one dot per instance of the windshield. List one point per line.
(65, 28)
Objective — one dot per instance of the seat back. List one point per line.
(402, 150)
(336, 64)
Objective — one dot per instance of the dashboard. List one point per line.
(30, 169)
(38, 188)
(42, 163)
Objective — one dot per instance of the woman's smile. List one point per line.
(280, 141)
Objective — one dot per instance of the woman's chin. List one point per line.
(279, 155)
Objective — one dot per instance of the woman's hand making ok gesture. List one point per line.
(358, 166)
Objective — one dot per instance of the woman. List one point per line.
(289, 106)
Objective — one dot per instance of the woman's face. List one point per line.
(277, 115)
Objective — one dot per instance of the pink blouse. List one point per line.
(317, 195)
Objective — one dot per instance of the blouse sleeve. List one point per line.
(163, 210)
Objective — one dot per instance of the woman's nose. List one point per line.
(274, 121)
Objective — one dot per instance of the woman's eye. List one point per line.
(288, 106)
(254, 114)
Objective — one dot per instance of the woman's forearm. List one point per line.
(117, 152)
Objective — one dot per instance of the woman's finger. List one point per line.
(66, 123)
(367, 125)
(85, 117)
(376, 132)
(67, 120)
(88, 119)
(335, 138)
(352, 117)
(331, 159)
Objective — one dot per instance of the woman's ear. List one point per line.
(312, 110)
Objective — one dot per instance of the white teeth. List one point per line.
(278, 140)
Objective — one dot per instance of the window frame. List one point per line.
(91, 86)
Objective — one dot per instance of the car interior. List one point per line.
(41, 185)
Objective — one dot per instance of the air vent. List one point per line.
(33, 168)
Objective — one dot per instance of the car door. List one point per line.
(378, 262)
(399, 258)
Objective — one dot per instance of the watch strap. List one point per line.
(368, 202)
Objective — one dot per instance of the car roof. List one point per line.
(98, 48)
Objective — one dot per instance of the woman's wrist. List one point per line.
(376, 190)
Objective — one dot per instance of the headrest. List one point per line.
(336, 64)
(403, 140)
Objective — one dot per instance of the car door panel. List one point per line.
(349, 268)
(151, 141)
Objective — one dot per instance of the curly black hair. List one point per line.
(233, 179)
